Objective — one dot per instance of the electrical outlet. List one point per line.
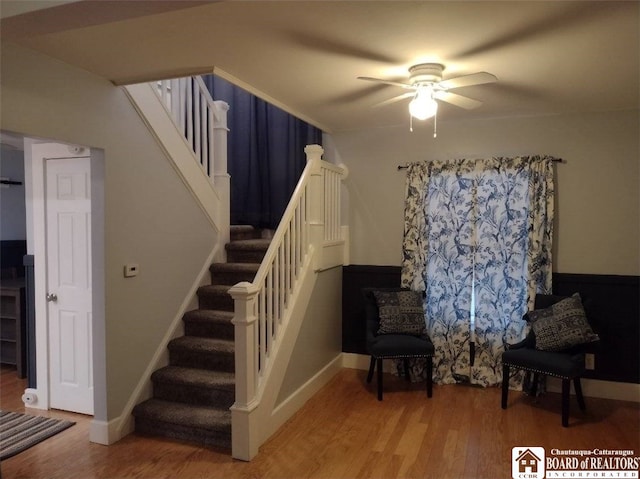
(590, 361)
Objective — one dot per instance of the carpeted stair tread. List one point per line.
(208, 315)
(197, 344)
(193, 385)
(219, 289)
(205, 353)
(249, 244)
(247, 251)
(200, 417)
(233, 273)
(195, 377)
(216, 297)
(247, 268)
(240, 232)
(209, 323)
(198, 424)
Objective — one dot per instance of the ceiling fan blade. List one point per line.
(356, 95)
(388, 82)
(468, 80)
(561, 20)
(457, 100)
(337, 47)
(395, 99)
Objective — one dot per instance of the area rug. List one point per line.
(21, 431)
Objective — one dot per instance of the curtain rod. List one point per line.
(405, 166)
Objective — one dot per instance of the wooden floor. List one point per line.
(344, 432)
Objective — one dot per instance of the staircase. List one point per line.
(192, 396)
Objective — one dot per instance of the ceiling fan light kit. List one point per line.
(426, 80)
(423, 105)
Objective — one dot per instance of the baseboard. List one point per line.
(355, 361)
(293, 403)
(601, 389)
(590, 387)
(109, 432)
(362, 361)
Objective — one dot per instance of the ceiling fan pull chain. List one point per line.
(411, 123)
(435, 122)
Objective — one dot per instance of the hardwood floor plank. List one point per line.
(345, 432)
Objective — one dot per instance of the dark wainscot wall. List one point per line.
(614, 314)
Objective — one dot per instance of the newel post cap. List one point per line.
(243, 290)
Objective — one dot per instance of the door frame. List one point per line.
(36, 152)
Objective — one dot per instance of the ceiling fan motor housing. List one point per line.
(426, 73)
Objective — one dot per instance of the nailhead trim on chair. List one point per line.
(403, 357)
(545, 373)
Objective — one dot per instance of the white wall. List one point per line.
(12, 203)
(150, 217)
(597, 187)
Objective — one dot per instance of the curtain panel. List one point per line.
(266, 156)
(478, 242)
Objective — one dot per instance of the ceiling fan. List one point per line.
(427, 86)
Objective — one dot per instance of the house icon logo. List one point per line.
(527, 462)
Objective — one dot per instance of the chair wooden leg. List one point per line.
(372, 366)
(505, 385)
(379, 379)
(566, 385)
(578, 387)
(429, 376)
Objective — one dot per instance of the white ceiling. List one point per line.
(550, 57)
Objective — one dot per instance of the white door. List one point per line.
(68, 225)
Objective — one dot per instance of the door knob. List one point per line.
(52, 297)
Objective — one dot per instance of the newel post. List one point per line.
(244, 427)
(316, 201)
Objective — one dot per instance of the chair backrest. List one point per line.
(543, 301)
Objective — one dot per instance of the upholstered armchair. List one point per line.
(556, 344)
(396, 329)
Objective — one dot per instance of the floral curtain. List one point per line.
(478, 241)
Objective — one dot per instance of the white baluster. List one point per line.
(196, 124)
(189, 113)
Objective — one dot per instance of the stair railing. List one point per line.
(199, 118)
(311, 219)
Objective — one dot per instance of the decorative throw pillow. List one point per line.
(562, 325)
(401, 312)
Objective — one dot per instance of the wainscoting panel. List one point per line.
(614, 313)
(354, 278)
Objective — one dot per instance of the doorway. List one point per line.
(63, 189)
(68, 233)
